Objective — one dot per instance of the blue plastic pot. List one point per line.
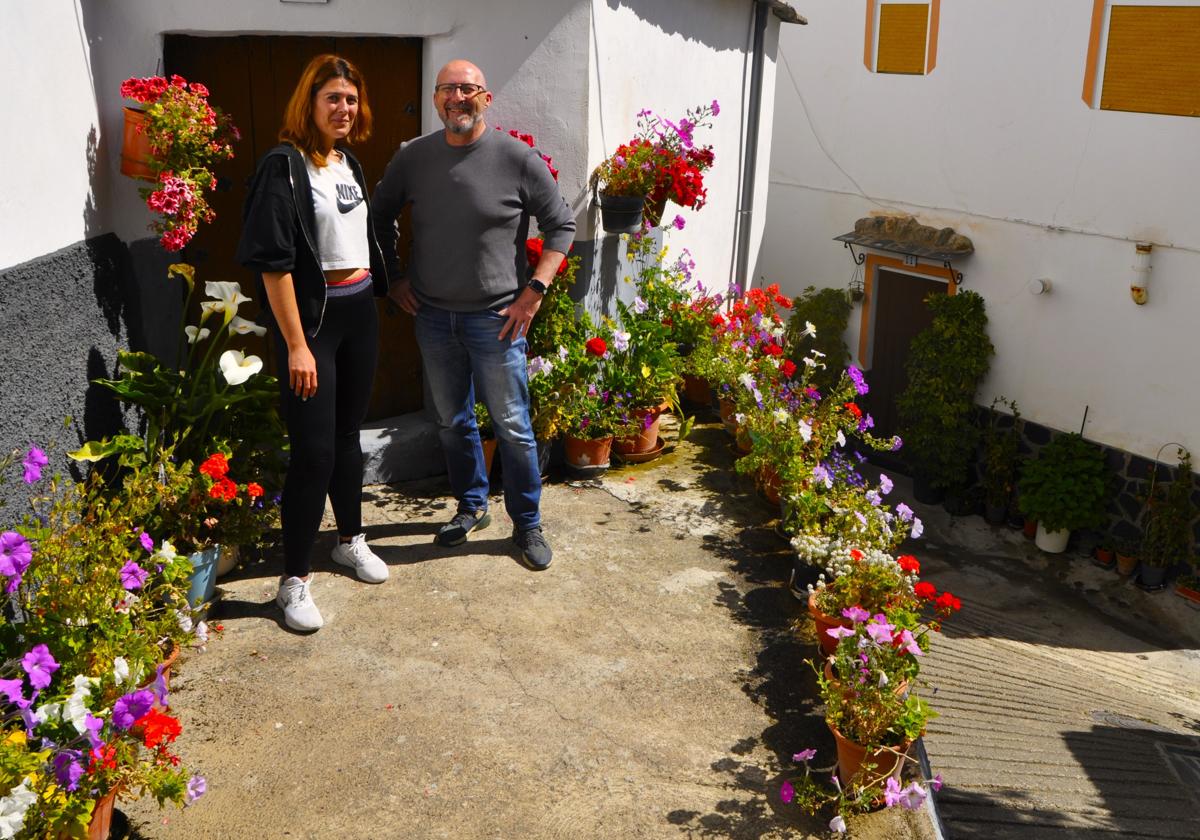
(204, 576)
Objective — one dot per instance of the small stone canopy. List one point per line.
(906, 230)
(785, 12)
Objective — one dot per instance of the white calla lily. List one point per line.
(195, 334)
(227, 296)
(243, 326)
(237, 367)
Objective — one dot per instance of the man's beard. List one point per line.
(450, 120)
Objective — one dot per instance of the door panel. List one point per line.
(251, 78)
(900, 313)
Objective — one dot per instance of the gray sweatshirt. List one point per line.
(470, 209)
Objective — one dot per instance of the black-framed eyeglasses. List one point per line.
(465, 88)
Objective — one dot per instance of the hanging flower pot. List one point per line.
(621, 213)
(135, 146)
(654, 209)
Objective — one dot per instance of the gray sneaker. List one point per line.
(535, 551)
(465, 522)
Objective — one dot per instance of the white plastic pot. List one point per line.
(1051, 542)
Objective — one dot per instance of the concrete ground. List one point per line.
(648, 685)
(651, 683)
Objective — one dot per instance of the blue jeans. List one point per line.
(463, 359)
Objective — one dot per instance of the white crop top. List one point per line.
(341, 215)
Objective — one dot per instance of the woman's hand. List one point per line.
(302, 372)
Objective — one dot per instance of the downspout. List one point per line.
(750, 165)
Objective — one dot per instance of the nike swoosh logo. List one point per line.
(347, 206)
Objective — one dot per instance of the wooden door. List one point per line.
(900, 313)
(251, 77)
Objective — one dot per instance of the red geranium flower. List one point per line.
(855, 554)
(254, 490)
(533, 253)
(946, 601)
(909, 564)
(158, 728)
(787, 368)
(597, 346)
(925, 590)
(853, 409)
(772, 349)
(216, 466)
(225, 490)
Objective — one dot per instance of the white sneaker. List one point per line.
(358, 556)
(299, 610)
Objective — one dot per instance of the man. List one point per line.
(470, 191)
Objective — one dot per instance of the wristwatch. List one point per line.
(538, 286)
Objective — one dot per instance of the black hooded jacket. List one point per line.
(279, 230)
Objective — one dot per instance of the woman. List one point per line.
(307, 230)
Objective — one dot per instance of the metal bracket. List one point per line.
(956, 275)
(860, 258)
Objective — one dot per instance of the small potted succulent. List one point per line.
(1064, 488)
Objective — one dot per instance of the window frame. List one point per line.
(1097, 54)
(871, 39)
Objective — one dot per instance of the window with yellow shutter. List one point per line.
(901, 37)
(1144, 57)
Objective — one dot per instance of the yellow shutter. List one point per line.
(903, 28)
(1153, 60)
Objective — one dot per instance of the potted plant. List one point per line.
(1168, 524)
(1127, 551)
(945, 365)
(828, 310)
(661, 163)
(1188, 586)
(593, 411)
(1104, 555)
(184, 138)
(1064, 488)
(1001, 445)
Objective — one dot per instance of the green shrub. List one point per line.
(1066, 486)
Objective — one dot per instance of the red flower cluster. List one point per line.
(529, 141)
(948, 602)
(157, 728)
(925, 590)
(254, 490)
(533, 253)
(597, 346)
(857, 412)
(215, 466)
(224, 489)
(787, 368)
(907, 562)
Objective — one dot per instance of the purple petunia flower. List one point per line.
(804, 755)
(67, 769)
(897, 442)
(133, 576)
(39, 665)
(146, 540)
(885, 484)
(132, 706)
(856, 376)
(639, 305)
(917, 528)
(820, 473)
(856, 614)
(13, 689)
(159, 687)
(716, 107)
(904, 512)
(92, 726)
(15, 556)
(34, 461)
(678, 222)
(892, 792)
(786, 792)
(196, 787)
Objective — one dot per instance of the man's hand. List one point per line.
(520, 313)
(401, 294)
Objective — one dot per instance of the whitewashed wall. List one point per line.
(998, 144)
(669, 55)
(51, 118)
(534, 55)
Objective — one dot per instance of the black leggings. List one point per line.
(323, 430)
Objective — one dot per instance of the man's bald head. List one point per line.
(461, 70)
(460, 96)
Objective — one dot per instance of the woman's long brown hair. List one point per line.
(299, 129)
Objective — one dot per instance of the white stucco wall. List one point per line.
(51, 117)
(534, 55)
(998, 144)
(667, 56)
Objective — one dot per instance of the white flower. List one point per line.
(74, 710)
(13, 808)
(809, 329)
(185, 621)
(195, 334)
(242, 326)
(120, 670)
(620, 340)
(805, 430)
(166, 553)
(838, 824)
(639, 305)
(747, 381)
(780, 415)
(740, 418)
(201, 632)
(841, 438)
(562, 353)
(538, 365)
(49, 712)
(237, 367)
(226, 298)
(917, 528)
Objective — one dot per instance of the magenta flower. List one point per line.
(881, 634)
(804, 755)
(92, 726)
(786, 792)
(13, 690)
(146, 540)
(936, 782)
(892, 792)
(839, 632)
(912, 797)
(34, 461)
(908, 643)
(128, 709)
(678, 222)
(40, 666)
(716, 107)
(133, 576)
(15, 556)
(856, 614)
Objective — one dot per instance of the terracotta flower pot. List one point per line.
(489, 454)
(696, 390)
(769, 484)
(852, 756)
(825, 622)
(135, 146)
(1104, 557)
(587, 454)
(1126, 564)
(1029, 529)
(644, 441)
(728, 411)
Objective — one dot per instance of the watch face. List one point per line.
(538, 286)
